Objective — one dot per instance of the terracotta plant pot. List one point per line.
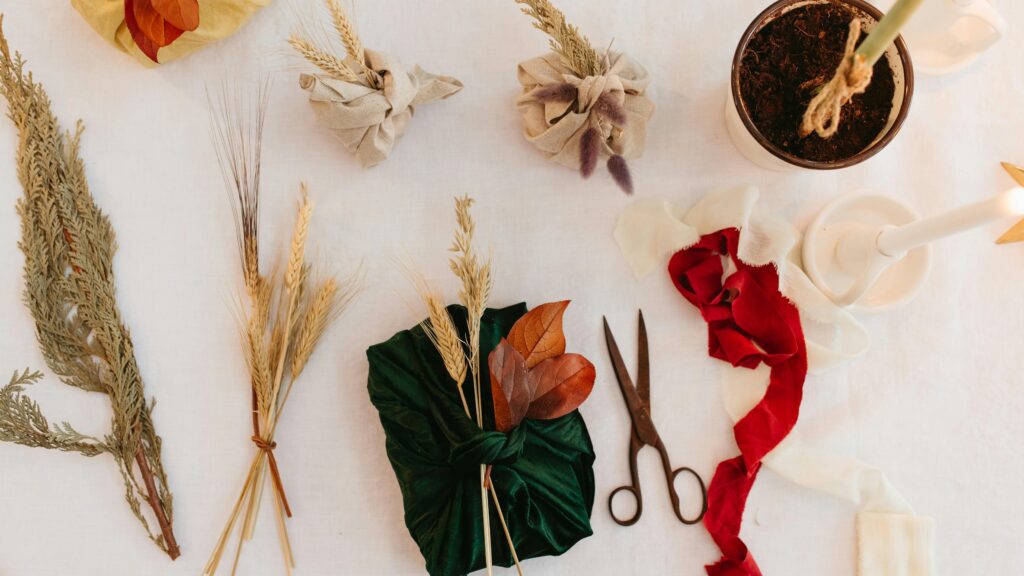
(755, 146)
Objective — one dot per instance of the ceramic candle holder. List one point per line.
(841, 255)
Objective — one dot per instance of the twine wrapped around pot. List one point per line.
(217, 20)
(369, 120)
(559, 108)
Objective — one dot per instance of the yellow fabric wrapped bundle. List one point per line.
(217, 19)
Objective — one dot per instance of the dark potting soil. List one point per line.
(783, 65)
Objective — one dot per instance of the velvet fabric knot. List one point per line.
(489, 447)
(369, 119)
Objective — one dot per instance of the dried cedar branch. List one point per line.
(69, 288)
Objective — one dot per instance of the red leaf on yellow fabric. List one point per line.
(560, 385)
(145, 44)
(538, 335)
(150, 22)
(171, 33)
(181, 14)
(511, 386)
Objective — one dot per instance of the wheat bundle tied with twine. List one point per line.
(579, 106)
(286, 318)
(68, 244)
(365, 97)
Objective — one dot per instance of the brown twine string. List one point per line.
(268, 448)
(852, 77)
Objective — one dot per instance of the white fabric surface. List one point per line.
(935, 403)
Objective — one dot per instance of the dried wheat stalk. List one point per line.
(566, 39)
(313, 42)
(287, 316)
(477, 282)
(69, 288)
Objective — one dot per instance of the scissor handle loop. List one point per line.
(639, 505)
(676, 500)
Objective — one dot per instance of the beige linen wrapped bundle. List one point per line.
(575, 121)
(370, 114)
(366, 98)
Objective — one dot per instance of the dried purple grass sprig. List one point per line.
(590, 151)
(620, 172)
(563, 92)
(608, 108)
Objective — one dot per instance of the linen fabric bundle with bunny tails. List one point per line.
(768, 320)
(218, 19)
(579, 107)
(365, 98)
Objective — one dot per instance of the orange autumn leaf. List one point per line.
(181, 14)
(147, 46)
(150, 22)
(560, 385)
(150, 29)
(538, 335)
(511, 388)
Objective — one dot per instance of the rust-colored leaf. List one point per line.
(538, 335)
(171, 33)
(150, 22)
(147, 46)
(511, 386)
(560, 385)
(181, 14)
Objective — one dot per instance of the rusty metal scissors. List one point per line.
(638, 400)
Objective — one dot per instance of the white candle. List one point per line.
(896, 241)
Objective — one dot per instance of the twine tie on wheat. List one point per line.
(852, 77)
(275, 473)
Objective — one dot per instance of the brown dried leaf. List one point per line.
(511, 386)
(560, 385)
(538, 335)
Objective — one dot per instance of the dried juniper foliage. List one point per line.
(69, 288)
(566, 39)
(22, 422)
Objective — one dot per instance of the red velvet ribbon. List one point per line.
(749, 322)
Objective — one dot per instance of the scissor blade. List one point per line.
(638, 413)
(621, 374)
(643, 379)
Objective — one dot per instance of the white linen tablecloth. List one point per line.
(936, 403)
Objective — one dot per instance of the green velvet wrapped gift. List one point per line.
(542, 469)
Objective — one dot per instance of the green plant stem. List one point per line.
(887, 29)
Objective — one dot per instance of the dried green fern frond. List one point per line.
(566, 39)
(69, 246)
